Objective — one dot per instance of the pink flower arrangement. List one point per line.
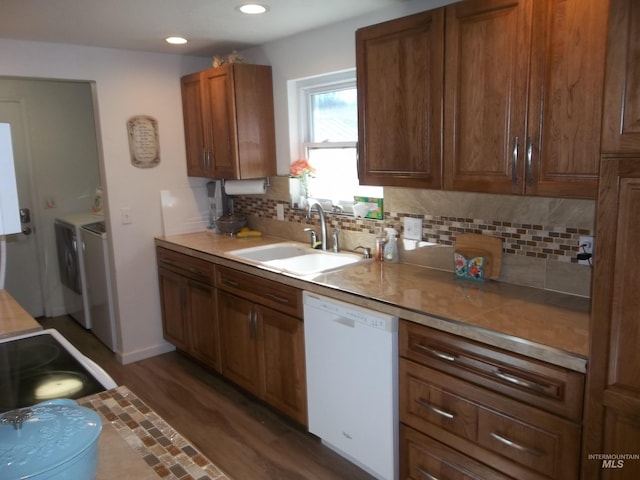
(301, 169)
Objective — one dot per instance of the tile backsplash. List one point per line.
(541, 235)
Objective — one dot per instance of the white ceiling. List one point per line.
(211, 26)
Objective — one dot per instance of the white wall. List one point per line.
(127, 84)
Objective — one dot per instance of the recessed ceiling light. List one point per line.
(176, 40)
(253, 8)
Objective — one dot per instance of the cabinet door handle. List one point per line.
(443, 413)
(255, 324)
(514, 163)
(230, 283)
(250, 321)
(521, 382)
(426, 474)
(517, 446)
(252, 318)
(437, 353)
(276, 298)
(529, 173)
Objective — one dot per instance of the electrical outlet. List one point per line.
(412, 228)
(280, 211)
(586, 247)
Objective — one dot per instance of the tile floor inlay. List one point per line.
(168, 453)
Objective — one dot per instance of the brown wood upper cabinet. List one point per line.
(621, 118)
(229, 123)
(399, 75)
(523, 96)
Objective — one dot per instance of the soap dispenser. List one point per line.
(391, 247)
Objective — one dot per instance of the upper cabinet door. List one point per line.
(621, 119)
(193, 131)
(219, 122)
(565, 102)
(399, 75)
(229, 122)
(523, 96)
(486, 76)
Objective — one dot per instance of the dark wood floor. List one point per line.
(239, 434)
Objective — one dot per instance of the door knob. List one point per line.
(27, 230)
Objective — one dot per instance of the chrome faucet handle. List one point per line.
(336, 240)
(366, 251)
(314, 237)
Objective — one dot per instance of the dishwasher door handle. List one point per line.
(347, 322)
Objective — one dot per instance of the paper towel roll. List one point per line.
(245, 187)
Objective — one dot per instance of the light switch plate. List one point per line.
(412, 228)
(280, 211)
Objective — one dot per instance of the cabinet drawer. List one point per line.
(188, 266)
(423, 458)
(486, 425)
(551, 388)
(260, 290)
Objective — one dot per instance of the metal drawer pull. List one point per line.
(515, 445)
(276, 298)
(426, 474)
(437, 353)
(231, 283)
(519, 381)
(434, 409)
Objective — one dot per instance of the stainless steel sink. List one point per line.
(296, 258)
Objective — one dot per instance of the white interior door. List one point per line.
(23, 279)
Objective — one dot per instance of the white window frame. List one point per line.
(302, 90)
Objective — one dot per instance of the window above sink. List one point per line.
(324, 130)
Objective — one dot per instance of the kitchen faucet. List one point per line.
(323, 220)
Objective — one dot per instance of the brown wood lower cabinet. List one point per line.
(262, 346)
(188, 303)
(478, 425)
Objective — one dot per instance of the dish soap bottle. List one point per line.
(391, 247)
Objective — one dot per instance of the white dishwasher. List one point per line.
(352, 382)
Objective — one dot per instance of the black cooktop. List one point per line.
(39, 368)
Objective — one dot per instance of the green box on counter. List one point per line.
(375, 211)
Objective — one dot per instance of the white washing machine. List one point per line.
(71, 264)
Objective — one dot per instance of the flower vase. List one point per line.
(304, 191)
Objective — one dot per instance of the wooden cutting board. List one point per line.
(473, 245)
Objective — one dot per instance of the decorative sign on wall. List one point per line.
(144, 143)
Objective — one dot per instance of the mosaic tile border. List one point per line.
(169, 454)
(556, 243)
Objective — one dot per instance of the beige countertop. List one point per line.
(545, 325)
(14, 320)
